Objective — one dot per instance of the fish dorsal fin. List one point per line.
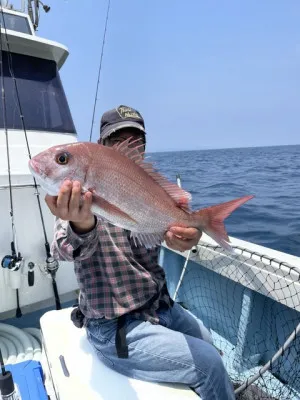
(132, 153)
(180, 196)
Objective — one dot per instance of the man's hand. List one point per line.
(67, 206)
(179, 238)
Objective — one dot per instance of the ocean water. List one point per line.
(272, 174)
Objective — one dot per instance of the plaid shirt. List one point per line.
(114, 276)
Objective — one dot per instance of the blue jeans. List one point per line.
(178, 350)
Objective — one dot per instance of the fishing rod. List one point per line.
(12, 262)
(8, 391)
(100, 68)
(192, 250)
(52, 265)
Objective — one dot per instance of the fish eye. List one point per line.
(62, 158)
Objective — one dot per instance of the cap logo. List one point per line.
(128, 112)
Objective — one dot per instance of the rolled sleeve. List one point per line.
(69, 245)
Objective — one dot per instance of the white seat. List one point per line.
(88, 377)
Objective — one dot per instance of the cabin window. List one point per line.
(15, 23)
(43, 101)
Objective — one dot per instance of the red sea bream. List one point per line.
(128, 191)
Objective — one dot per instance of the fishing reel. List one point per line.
(12, 262)
(52, 265)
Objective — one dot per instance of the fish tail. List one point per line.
(211, 220)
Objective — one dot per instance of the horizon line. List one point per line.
(223, 148)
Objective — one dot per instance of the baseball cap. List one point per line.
(120, 118)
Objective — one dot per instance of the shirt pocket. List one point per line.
(102, 337)
(102, 329)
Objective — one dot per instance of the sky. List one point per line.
(204, 74)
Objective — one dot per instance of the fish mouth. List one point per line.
(41, 178)
(35, 170)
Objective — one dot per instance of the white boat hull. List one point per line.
(28, 226)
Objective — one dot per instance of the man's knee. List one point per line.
(210, 357)
(212, 377)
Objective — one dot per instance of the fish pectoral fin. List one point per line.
(110, 208)
(148, 240)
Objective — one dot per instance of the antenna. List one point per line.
(34, 11)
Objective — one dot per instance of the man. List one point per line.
(131, 321)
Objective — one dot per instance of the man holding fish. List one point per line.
(113, 211)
